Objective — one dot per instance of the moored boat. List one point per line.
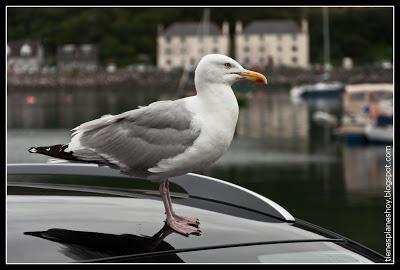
(367, 114)
(321, 90)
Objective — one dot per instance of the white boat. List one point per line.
(378, 134)
(368, 113)
(321, 90)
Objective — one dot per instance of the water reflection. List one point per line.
(267, 116)
(272, 117)
(79, 245)
(67, 108)
(367, 175)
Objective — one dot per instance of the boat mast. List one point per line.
(325, 22)
(206, 23)
(202, 31)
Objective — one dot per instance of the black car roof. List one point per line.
(93, 223)
(91, 227)
(196, 186)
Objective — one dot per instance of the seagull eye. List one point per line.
(227, 65)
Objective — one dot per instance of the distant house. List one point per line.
(182, 44)
(24, 56)
(77, 57)
(274, 43)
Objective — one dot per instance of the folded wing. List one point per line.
(136, 140)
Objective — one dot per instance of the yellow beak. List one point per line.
(253, 76)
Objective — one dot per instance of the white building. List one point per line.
(24, 56)
(274, 43)
(182, 44)
(77, 57)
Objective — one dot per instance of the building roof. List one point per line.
(369, 87)
(190, 29)
(273, 27)
(21, 47)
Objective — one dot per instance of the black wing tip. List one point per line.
(33, 233)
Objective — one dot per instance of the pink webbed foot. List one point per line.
(187, 220)
(182, 228)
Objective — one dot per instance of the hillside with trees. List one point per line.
(126, 34)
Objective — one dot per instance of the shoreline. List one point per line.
(102, 79)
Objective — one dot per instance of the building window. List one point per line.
(168, 51)
(294, 59)
(262, 60)
(279, 48)
(270, 61)
(294, 37)
(192, 61)
(246, 49)
(247, 61)
(69, 48)
(183, 50)
(215, 50)
(294, 48)
(167, 39)
(86, 48)
(262, 49)
(168, 62)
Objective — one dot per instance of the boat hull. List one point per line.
(376, 134)
(326, 94)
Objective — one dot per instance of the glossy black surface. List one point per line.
(48, 224)
(194, 185)
(80, 245)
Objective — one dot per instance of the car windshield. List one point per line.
(314, 257)
(300, 252)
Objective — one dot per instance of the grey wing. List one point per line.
(137, 140)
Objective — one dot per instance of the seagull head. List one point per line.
(221, 69)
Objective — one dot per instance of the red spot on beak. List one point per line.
(259, 80)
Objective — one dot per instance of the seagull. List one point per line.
(166, 138)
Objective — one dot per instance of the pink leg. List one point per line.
(182, 219)
(181, 228)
